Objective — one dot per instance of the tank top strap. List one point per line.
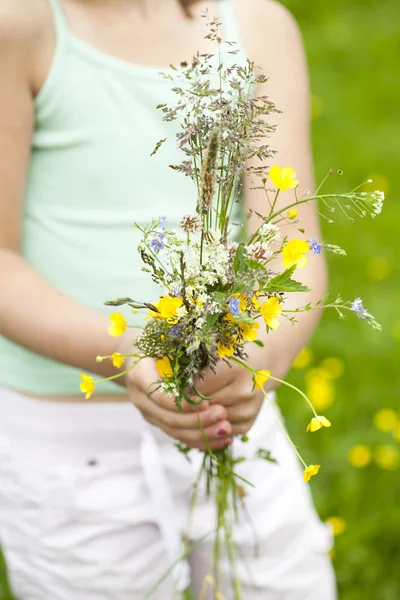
(229, 20)
(60, 23)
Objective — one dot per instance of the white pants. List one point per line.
(93, 502)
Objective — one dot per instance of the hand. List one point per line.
(160, 410)
(232, 387)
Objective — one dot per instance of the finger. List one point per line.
(245, 411)
(176, 420)
(212, 382)
(217, 437)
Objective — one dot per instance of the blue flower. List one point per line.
(234, 304)
(162, 223)
(157, 243)
(316, 247)
(359, 309)
(175, 331)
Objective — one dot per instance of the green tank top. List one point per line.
(90, 178)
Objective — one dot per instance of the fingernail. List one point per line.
(221, 432)
(216, 417)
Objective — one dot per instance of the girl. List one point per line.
(94, 495)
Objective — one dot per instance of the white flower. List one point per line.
(377, 201)
(200, 322)
(259, 251)
(269, 234)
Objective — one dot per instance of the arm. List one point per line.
(272, 40)
(32, 312)
(280, 53)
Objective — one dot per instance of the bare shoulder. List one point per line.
(26, 32)
(268, 28)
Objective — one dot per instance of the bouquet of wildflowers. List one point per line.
(216, 294)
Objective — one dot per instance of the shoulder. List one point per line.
(26, 32)
(268, 28)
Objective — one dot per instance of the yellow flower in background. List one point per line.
(303, 359)
(378, 182)
(164, 368)
(310, 471)
(283, 179)
(319, 390)
(167, 308)
(224, 351)
(360, 456)
(259, 378)
(294, 253)
(333, 367)
(118, 324)
(386, 420)
(396, 433)
(337, 525)
(387, 457)
(317, 423)
(249, 331)
(292, 214)
(117, 360)
(271, 310)
(87, 386)
(379, 268)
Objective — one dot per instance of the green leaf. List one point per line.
(284, 283)
(266, 455)
(210, 322)
(258, 343)
(254, 264)
(239, 262)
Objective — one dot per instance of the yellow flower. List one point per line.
(249, 331)
(271, 310)
(317, 423)
(292, 214)
(118, 324)
(259, 378)
(168, 307)
(333, 367)
(87, 386)
(255, 302)
(224, 351)
(283, 179)
(294, 253)
(360, 456)
(319, 389)
(387, 457)
(311, 471)
(117, 360)
(336, 524)
(164, 368)
(303, 359)
(386, 420)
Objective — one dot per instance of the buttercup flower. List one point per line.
(292, 214)
(317, 423)
(168, 309)
(259, 378)
(316, 247)
(310, 471)
(117, 360)
(271, 310)
(224, 351)
(336, 524)
(360, 456)
(294, 254)
(249, 331)
(87, 386)
(283, 179)
(164, 368)
(118, 324)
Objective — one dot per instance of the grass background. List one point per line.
(353, 48)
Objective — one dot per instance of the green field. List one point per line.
(353, 48)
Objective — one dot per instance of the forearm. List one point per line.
(34, 314)
(282, 345)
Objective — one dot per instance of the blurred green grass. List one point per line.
(353, 49)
